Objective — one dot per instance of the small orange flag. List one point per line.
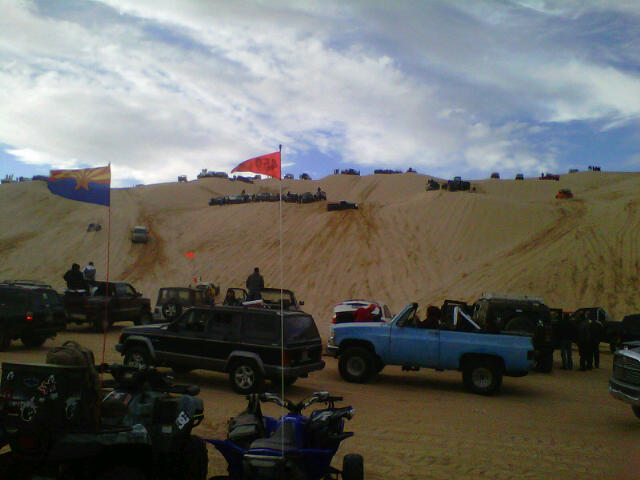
(190, 255)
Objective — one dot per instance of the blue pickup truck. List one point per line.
(483, 358)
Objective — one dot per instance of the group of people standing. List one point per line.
(77, 279)
(587, 332)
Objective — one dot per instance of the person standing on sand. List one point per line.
(255, 283)
(89, 272)
(585, 344)
(74, 278)
(597, 332)
(566, 334)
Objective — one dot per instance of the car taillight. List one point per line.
(29, 316)
(333, 320)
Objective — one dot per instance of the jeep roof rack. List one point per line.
(512, 296)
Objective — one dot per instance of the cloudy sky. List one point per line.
(161, 88)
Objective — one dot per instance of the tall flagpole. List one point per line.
(281, 290)
(105, 320)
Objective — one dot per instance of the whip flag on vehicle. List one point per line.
(268, 164)
(90, 185)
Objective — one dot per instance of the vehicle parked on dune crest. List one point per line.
(363, 350)
(564, 193)
(342, 205)
(549, 176)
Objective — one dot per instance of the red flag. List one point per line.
(268, 164)
(190, 255)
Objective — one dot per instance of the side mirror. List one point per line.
(301, 302)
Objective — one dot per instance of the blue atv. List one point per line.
(292, 447)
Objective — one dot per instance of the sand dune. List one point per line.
(402, 244)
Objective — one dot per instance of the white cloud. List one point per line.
(162, 88)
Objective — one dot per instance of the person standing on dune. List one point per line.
(255, 283)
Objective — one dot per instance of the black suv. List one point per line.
(244, 342)
(30, 312)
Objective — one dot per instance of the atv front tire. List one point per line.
(352, 467)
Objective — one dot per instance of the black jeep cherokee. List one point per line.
(244, 342)
(31, 313)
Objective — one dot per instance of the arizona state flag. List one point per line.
(268, 164)
(90, 185)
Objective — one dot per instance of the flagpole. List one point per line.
(281, 288)
(105, 321)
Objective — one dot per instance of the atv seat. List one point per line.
(283, 440)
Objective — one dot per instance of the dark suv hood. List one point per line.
(144, 328)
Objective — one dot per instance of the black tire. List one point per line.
(545, 363)
(356, 364)
(245, 377)
(194, 460)
(171, 310)
(482, 376)
(353, 467)
(33, 341)
(137, 357)
(144, 319)
(5, 341)
(636, 411)
(121, 473)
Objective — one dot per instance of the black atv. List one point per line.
(137, 426)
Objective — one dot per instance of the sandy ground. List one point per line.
(423, 425)
(403, 244)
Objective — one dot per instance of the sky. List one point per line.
(162, 88)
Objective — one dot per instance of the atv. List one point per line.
(58, 425)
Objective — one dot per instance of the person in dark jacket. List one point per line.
(255, 283)
(566, 335)
(74, 278)
(597, 333)
(585, 345)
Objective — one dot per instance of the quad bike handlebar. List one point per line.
(316, 397)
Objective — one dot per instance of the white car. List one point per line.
(345, 311)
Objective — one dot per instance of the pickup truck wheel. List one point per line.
(482, 376)
(245, 377)
(636, 411)
(137, 357)
(356, 365)
(33, 341)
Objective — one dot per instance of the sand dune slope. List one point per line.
(402, 244)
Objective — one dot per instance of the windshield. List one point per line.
(300, 329)
(140, 230)
(272, 297)
(406, 313)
